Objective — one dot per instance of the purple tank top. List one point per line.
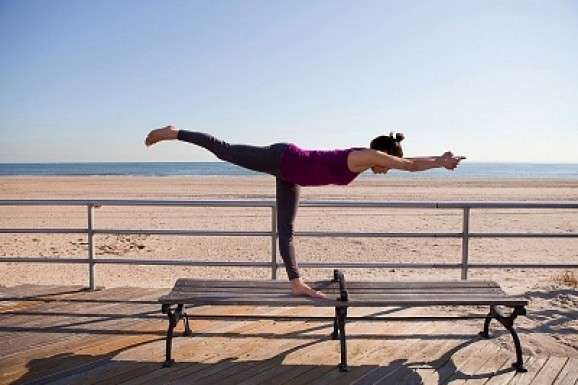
(316, 168)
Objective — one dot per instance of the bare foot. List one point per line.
(165, 133)
(298, 287)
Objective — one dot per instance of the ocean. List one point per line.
(465, 170)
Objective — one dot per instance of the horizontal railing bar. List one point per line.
(523, 266)
(43, 260)
(110, 202)
(187, 232)
(371, 265)
(402, 265)
(523, 235)
(121, 261)
(43, 231)
(343, 234)
(361, 204)
(508, 205)
(172, 262)
(271, 203)
(346, 234)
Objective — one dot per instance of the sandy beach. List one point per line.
(542, 286)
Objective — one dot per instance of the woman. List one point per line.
(294, 167)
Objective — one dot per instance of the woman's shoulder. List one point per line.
(360, 159)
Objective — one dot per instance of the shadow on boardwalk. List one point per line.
(82, 369)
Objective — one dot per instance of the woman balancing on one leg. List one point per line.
(294, 167)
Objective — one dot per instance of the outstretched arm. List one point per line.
(362, 160)
(447, 161)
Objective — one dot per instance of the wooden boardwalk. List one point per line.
(62, 335)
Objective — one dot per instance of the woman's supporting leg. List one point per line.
(287, 204)
(265, 159)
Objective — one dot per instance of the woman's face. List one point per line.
(379, 170)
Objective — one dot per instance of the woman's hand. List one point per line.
(449, 161)
(165, 133)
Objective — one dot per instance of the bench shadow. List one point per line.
(69, 368)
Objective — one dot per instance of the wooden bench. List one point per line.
(346, 295)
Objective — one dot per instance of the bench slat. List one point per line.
(361, 293)
(381, 302)
(352, 297)
(333, 290)
(185, 282)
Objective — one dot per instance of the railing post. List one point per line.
(274, 242)
(465, 242)
(90, 235)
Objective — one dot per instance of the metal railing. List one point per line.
(465, 235)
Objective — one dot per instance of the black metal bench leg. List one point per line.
(508, 323)
(174, 318)
(519, 364)
(341, 320)
(187, 332)
(335, 334)
(169, 342)
(486, 332)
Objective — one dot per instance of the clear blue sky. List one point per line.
(85, 80)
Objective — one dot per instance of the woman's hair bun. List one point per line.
(389, 144)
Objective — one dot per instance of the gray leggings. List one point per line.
(265, 159)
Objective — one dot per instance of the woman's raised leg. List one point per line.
(265, 159)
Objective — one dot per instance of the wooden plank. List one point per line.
(475, 361)
(305, 363)
(81, 359)
(406, 375)
(452, 362)
(550, 370)
(569, 374)
(418, 364)
(36, 331)
(27, 296)
(187, 348)
(23, 302)
(364, 356)
(240, 348)
(21, 292)
(42, 329)
(127, 366)
(96, 348)
(534, 365)
(359, 349)
(506, 372)
(490, 368)
(259, 356)
(392, 363)
(66, 303)
(16, 364)
(428, 364)
(394, 368)
(20, 328)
